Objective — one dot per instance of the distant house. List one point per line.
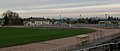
(104, 22)
(109, 22)
(1, 21)
(32, 21)
(115, 21)
(60, 22)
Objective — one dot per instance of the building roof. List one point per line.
(35, 19)
(115, 20)
(38, 19)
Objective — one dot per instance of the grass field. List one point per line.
(19, 36)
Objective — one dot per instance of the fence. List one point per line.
(114, 26)
(72, 47)
(93, 37)
(104, 47)
(69, 47)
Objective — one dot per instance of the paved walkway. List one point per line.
(41, 46)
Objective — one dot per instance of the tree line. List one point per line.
(87, 20)
(11, 18)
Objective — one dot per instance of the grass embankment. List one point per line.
(18, 36)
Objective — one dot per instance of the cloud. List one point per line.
(25, 4)
(66, 7)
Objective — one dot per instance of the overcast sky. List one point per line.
(68, 8)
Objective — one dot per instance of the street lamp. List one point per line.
(106, 20)
(80, 16)
(60, 16)
(106, 16)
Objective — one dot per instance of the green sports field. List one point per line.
(19, 36)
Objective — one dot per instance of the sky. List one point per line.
(67, 8)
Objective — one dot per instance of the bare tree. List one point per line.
(11, 18)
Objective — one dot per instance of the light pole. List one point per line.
(80, 16)
(106, 19)
(80, 19)
(106, 16)
(60, 16)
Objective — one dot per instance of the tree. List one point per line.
(68, 20)
(11, 18)
(6, 20)
(109, 18)
(117, 18)
(112, 18)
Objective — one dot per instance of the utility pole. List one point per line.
(106, 19)
(80, 19)
(80, 16)
(106, 16)
(60, 16)
(43, 16)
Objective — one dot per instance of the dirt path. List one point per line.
(41, 46)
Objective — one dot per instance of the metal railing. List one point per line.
(113, 26)
(99, 35)
(104, 47)
(74, 46)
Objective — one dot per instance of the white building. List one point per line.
(104, 22)
(1, 22)
(36, 21)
